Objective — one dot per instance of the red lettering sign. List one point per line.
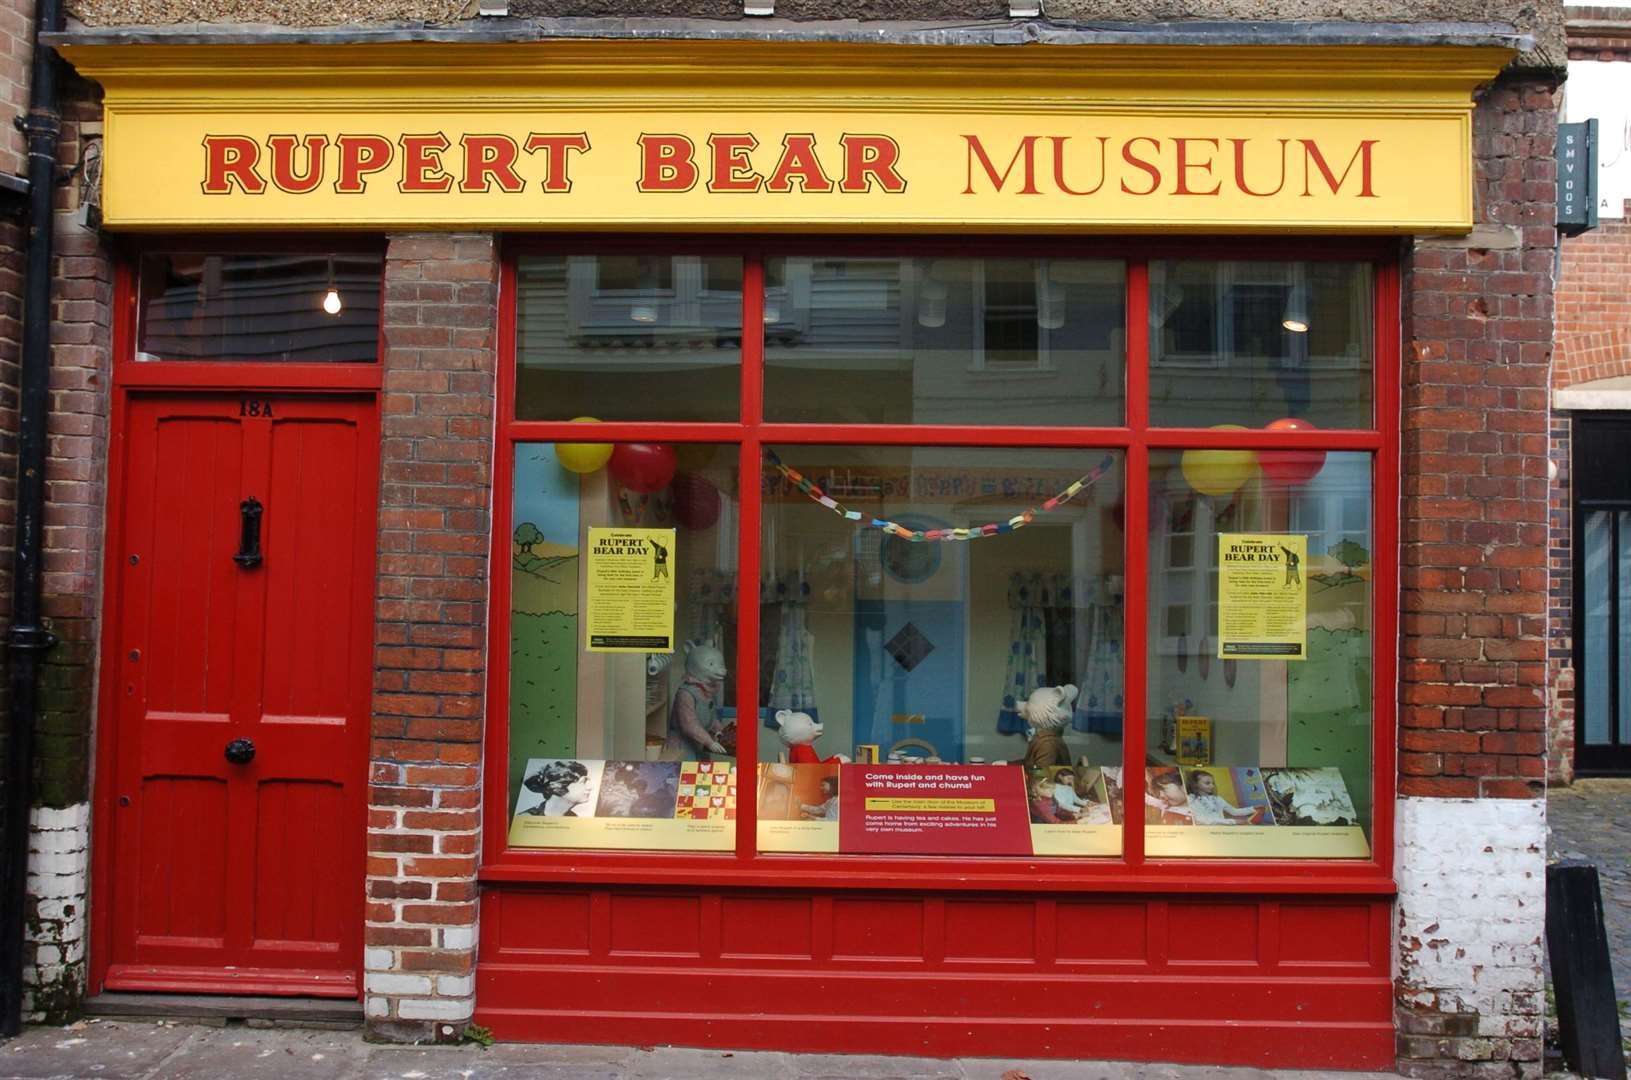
(488, 160)
(1311, 153)
(798, 163)
(868, 158)
(283, 166)
(732, 171)
(1026, 150)
(360, 156)
(1137, 162)
(422, 163)
(667, 163)
(556, 173)
(228, 160)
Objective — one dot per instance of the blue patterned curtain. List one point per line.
(1027, 651)
(792, 682)
(1099, 706)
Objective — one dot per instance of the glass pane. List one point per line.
(260, 307)
(628, 337)
(1596, 602)
(922, 610)
(622, 639)
(1253, 342)
(1259, 742)
(945, 341)
(1622, 638)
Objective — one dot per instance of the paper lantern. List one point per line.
(643, 467)
(696, 501)
(1290, 467)
(1218, 472)
(583, 457)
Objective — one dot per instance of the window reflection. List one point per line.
(1250, 342)
(944, 340)
(279, 307)
(590, 324)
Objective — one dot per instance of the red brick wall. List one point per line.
(441, 302)
(1560, 617)
(1478, 344)
(76, 482)
(16, 61)
(1594, 305)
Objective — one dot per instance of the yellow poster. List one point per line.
(1194, 740)
(1262, 596)
(630, 598)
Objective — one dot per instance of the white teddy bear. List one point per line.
(799, 730)
(1047, 711)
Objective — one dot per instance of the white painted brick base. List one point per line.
(1471, 918)
(58, 882)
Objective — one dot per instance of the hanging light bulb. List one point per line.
(1050, 305)
(332, 303)
(931, 304)
(1295, 318)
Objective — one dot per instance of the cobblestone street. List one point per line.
(1592, 820)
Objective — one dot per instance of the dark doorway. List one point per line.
(1602, 593)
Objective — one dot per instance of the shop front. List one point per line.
(812, 547)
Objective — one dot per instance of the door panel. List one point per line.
(243, 876)
(182, 899)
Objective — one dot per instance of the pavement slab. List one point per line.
(174, 1050)
(105, 1051)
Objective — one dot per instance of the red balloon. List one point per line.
(643, 467)
(1290, 467)
(696, 501)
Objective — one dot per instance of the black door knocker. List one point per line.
(249, 541)
(240, 751)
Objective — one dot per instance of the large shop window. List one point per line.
(1028, 556)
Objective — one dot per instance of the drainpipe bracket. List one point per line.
(35, 122)
(30, 639)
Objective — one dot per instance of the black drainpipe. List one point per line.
(28, 640)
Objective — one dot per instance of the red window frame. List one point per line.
(1135, 439)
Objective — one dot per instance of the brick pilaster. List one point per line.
(441, 309)
(1478, 346)
(1478, 314)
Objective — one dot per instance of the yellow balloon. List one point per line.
(1218, 472)
(583, 457)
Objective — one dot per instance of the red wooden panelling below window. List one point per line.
(1290, 981)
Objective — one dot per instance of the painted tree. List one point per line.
(526, 535)
(1349, 554)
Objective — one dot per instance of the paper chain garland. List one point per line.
(972, 532)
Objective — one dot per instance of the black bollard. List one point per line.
(1588, 1020)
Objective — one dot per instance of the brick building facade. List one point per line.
(1592, 362)
(1475, 319)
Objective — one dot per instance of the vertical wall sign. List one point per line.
(1576, 177)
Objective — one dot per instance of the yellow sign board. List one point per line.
(630, 591)
(720, 136)
(1262, 596)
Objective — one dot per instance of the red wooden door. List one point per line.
(239, 872)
